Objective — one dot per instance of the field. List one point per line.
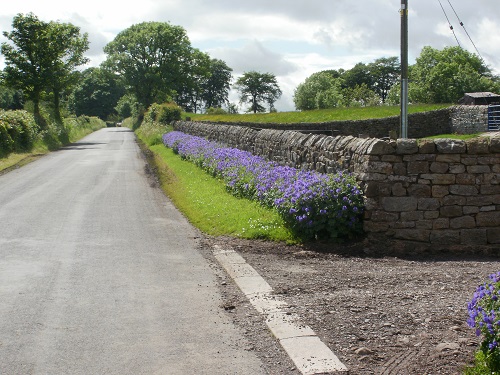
(320, 115)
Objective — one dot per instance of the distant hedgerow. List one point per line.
(312, 204)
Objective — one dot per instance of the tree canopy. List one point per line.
(156, 61)
(258, 88)
(41, 57)
(444, 76)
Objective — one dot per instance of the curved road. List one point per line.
(100, 274)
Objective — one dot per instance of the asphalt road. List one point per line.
(99, 274)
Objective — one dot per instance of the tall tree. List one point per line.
(97, 93)
(216, 87)
(65, 53)
(195, 70)
(256, 88)
(152, 58)
(42, 57)
(385, 72)
(25, 58)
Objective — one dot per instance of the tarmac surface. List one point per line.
(100, 274)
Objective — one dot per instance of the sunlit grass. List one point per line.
(320, 115)
(204, 200)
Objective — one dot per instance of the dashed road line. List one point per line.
(306, 350)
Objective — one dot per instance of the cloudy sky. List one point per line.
(290, 38)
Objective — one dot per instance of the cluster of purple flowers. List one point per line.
(312, 204)
(484, 316)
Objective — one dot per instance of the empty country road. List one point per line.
(100, 274)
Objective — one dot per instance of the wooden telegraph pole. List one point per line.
(404, 69)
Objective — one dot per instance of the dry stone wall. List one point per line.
(432, 192)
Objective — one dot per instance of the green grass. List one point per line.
(320, 115)
(462, 137)
(204, 200)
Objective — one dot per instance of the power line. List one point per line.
(462, 24)
(449, 23)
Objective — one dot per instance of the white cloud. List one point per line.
(291, 39)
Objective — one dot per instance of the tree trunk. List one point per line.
(36, 112)
(57, 110)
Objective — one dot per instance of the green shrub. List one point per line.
(168, 112)
(216, 111)
(18, 131)
(163, 113)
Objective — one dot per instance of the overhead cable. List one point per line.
(462, 24)
(449, 23)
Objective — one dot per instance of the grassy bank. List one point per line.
(52, 139)
(204, 200)
(320, 115)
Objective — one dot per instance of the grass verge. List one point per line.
(76, 128)
(204, 200)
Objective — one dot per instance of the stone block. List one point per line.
(426, 146)
(398, 190)
(445, 237)
(423, 224)
(469, 160)
(440, 179)
(492, 179)
(471, 210)
(442, 223)
(478, 146)
(457, 168)
(399, 204)
(400, 169)
(473, 237)
(454, 200)
(420, 191)
(428, 204)
(488, 160)
(421, 235)
(374, 227)
(493, 235)
(439, 167)
(466, 190)
(406, 146)
(392, 158)
(495, 145)
(462, 222)
(451, 211)
(380, 147)
(412, 216)
(379, 167)
(488, 219)
(466, 179)
(440, 191)
(450, 146)
(404, 225)
(450, 158)
(478, 169)
(379, 216)
(418, 167)
(490, 189)
(431, 215)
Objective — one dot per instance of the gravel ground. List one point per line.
(378, 314)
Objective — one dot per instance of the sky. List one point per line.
(291, 39)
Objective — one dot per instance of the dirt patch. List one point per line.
(379, 315)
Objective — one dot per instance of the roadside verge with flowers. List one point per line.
(312, 204)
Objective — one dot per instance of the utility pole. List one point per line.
(404, 69)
